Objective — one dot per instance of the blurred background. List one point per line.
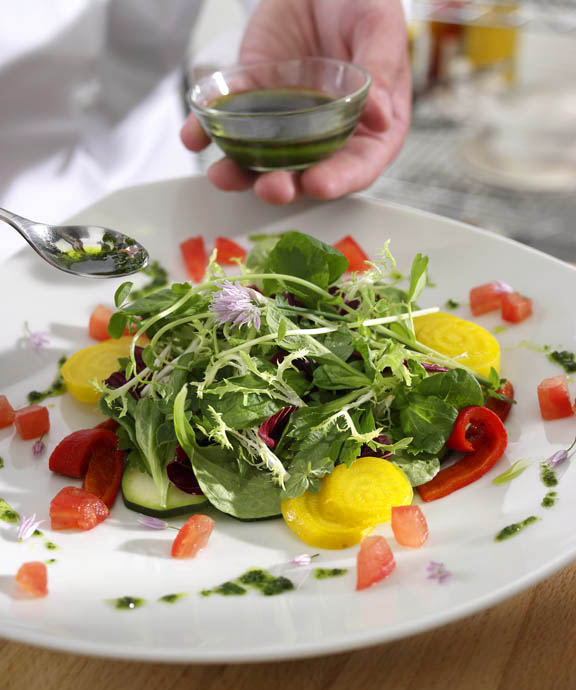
(493, 139)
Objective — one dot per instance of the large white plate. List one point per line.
(122, 558)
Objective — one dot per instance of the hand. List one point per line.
(370, 33)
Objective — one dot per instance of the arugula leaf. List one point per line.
(418, 277)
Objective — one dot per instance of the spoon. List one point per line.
(83, 250)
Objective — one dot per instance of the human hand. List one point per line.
(370, 33)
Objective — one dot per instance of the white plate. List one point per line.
(122, 558)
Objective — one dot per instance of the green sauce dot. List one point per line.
(325, 573)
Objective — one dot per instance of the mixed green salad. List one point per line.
(268, 380)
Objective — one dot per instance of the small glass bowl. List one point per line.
(306, 109)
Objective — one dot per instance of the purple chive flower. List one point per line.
(39, 448)
(233, 303)
(303, 559)
(28, 525)
(152, 522)
(559, 456)
(438, 572)
(36, 339)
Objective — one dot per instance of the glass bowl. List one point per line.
(281, 115)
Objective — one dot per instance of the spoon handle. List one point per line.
(22, 225)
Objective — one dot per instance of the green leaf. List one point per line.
(418, 277)
(306, 257)
(419, 471)
(117, 325)
(242, 491)
(334, 376)
(282, 328)
(429, 421)
(340, 343)
(456, 387)
(121, 294)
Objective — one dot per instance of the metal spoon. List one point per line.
(83, 250)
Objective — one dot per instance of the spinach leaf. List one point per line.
(418, 470)
(336, 375)
(456, 387)
(429, 420)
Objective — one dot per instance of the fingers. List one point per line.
(193, 136)
(276, 188)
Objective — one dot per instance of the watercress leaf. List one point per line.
(149, 357)
(418, 277)
(429, 420)
(121, 294)
(180, 288)
(152, 304)
(257, 258)
(117, 325)
(494, 379)
(456, 387)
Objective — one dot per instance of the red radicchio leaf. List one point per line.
(271, 429)
(181, 474)
(366, 451)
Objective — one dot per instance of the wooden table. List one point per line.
(526, 643)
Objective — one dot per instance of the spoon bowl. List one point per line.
(88, 251)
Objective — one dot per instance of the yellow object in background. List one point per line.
(493, 47)
(466, 341)
(350, 503)
(94, 362)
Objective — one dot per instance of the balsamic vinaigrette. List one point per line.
(294, 146)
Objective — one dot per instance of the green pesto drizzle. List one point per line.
(565, 359)
(226, 589)
(516, 527)
(172, 598)
(256, 578)
(547, 475)
(7, 513)
(1, 463)
(127, 603)
(57, 387)
(51, 546)
(549, 500)
(50, 561)
(325, 573)
(451, 304)
(37, 533)
(500, 328)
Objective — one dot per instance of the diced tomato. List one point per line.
(554, 398)
(74, 508)
(228, 251)
(195, 257)
(374, 562)
(488, 297)
(32, 578)
(104, 474)
(192, 536)
(32, 421)
(502, 407)
(74, 452)
(409, 526)
(6, 412)
(516, 307)
(356, 256)
(109, 424)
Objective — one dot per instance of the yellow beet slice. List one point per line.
(94, 362)
(364, 493)
(452, 336)
(304, 517)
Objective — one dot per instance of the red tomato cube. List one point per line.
(98, 324)
(374, 562)
(228, 251)
(488, 297)
(32, 421)
(74, 508)
(192, 536)
(6, 412)
(554, 398)
(356, 256)
(409, 526)
(195, 257)
(32, 578)
(515, 307)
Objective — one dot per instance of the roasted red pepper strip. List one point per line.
(72, 455)
(104, 475)
(483, 452)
